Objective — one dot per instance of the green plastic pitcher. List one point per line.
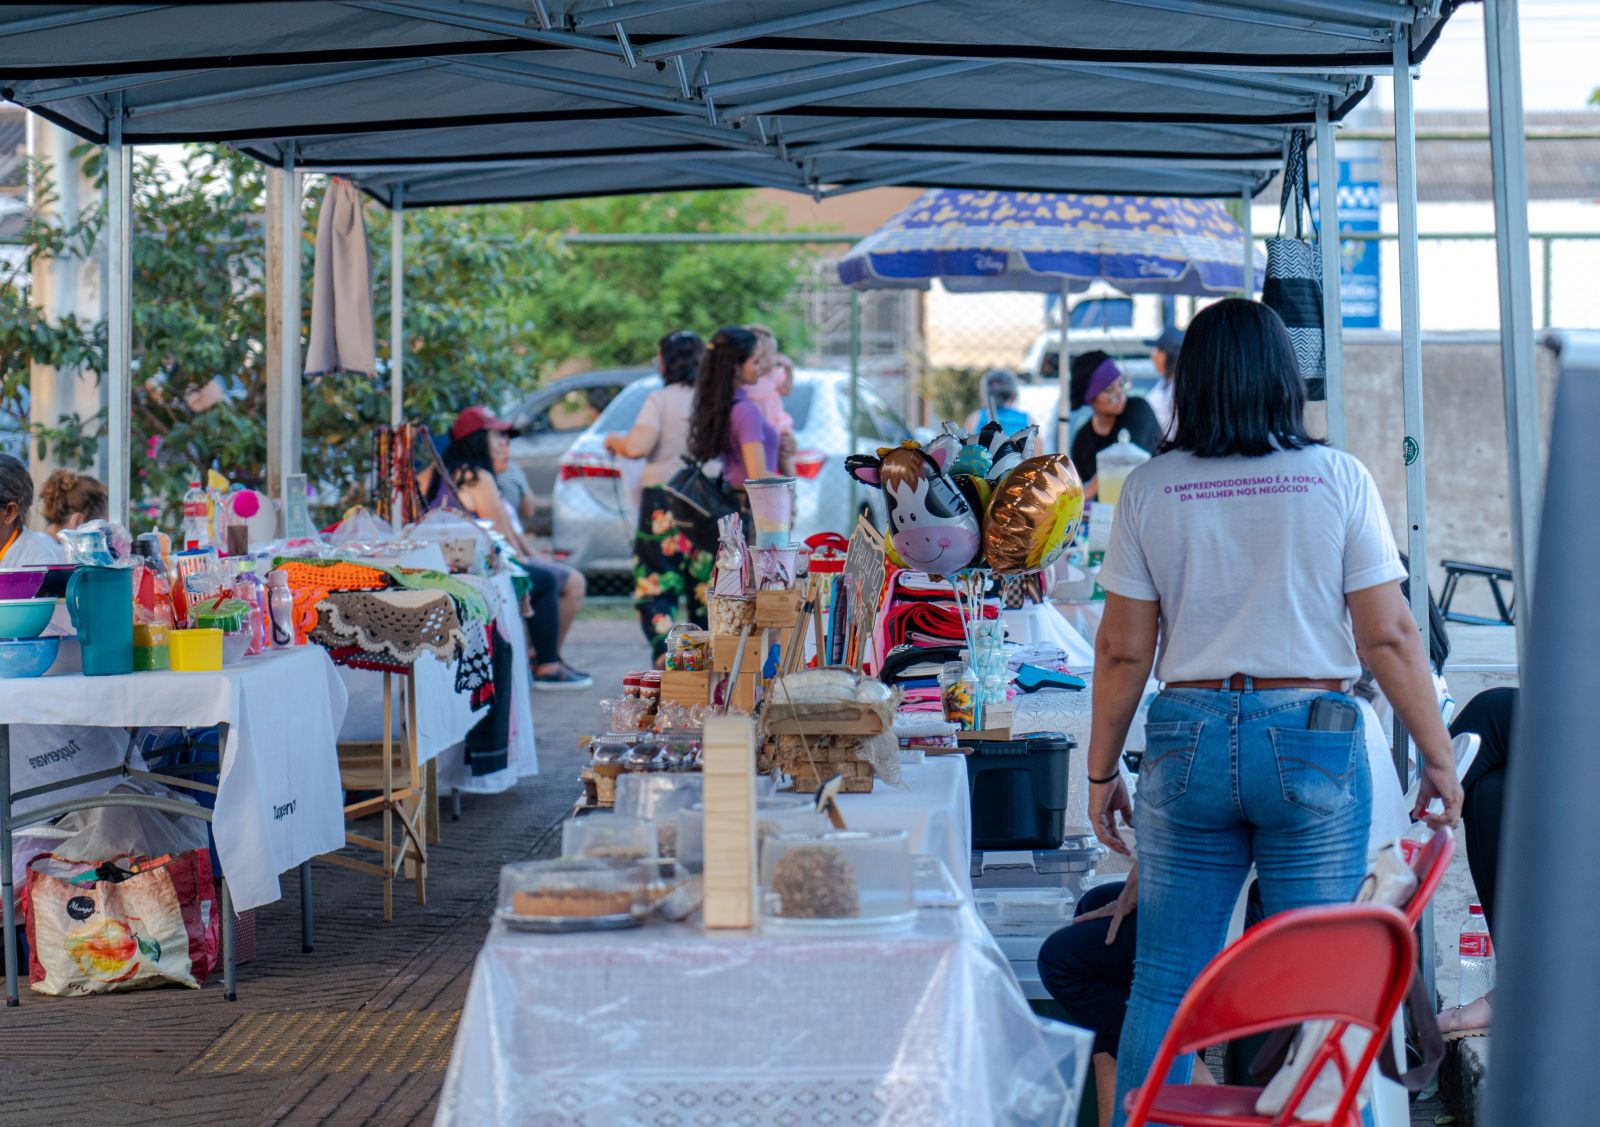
(100, 601)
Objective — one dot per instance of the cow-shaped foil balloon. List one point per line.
(932, 526)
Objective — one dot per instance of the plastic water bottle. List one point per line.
(280, 601)
(196, 513)
(1477, 957)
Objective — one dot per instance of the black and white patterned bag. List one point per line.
(1293, 287)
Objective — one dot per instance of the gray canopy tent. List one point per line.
(464, 102)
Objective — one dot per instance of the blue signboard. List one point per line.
(1360, 271)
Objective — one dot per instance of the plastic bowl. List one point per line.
(21, 583)
(27, 657)
(25, 618)
(234, 645)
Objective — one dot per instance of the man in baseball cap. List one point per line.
(1164, 351)
(474, 419)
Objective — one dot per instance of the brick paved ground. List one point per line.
(357, 1032)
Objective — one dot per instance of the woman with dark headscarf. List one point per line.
(1097, 382)
(668, 569)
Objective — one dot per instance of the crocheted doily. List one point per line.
(401, 624)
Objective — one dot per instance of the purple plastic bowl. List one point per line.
(21, 583)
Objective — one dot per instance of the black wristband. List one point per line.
(1111, 778)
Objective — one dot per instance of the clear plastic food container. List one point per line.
(609, 837)
(837, 881)
(659, 797)
(775, 813)
(571, 895)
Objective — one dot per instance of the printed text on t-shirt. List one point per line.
(1263, 485)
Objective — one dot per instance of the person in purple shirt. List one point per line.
(727, 423)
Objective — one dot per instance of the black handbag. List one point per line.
(698, 502)
(1293, 288)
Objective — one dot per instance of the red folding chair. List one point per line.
(1348, 964)
(1430, 865)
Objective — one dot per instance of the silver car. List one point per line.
(596, 498)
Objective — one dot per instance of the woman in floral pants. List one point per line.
(667, 569)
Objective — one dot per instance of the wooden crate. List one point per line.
(680, 686)
(777, 610)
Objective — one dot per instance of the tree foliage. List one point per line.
(494, 304)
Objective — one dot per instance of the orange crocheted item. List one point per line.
(338, 575)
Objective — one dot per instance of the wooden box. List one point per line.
(680, 686)
(725, 646)
(742, 692)
(777, 610)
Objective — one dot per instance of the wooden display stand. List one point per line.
(365, 767)
(728, 763)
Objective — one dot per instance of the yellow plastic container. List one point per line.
(195, 651)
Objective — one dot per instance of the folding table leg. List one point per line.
(455, 804)
(6, 890)
(388, 800)
(433, 801)
(307, 941)
(419, 791)
(230, 985)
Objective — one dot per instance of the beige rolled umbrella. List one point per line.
(341, 288)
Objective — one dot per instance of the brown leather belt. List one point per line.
(1236, 684)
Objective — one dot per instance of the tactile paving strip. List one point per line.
(331, 1041)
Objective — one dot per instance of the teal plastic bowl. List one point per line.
(28, 657)
(25, 618)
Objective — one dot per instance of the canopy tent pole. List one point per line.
(1405, 163)
(397, 278)
(1508, 161)
(119, 312)
(289, 362)
(1063, 374)
(1247, 278)
(1332, 311)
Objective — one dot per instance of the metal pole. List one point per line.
(7, 894)
(1547, 295)
(289, 355)
(1508, 159)
(397, 279)
(1247, 277)
(855, 390)
(1332, 310)
(1063, 381)
(1405, 163)
(119, 312)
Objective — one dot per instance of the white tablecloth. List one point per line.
(1068, 711)
(935, 812)
(278, 801)
(444, 716)
(668, 1024)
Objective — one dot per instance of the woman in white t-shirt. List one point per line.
(20, 546)
(667, 569)
(1249, 564)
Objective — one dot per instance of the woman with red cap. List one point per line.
(480, 447)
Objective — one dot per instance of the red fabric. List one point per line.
(1348, 964)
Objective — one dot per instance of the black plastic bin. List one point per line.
(1018, 790)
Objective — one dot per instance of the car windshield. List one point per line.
(623, 411)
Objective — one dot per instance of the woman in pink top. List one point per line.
(728, 424)
(775, 382)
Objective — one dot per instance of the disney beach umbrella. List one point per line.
(1049, 242)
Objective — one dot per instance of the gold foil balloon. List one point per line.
(1033, 516)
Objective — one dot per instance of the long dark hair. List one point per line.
(682, 353)
(730, 347)
(1237, 388)
(468, 457)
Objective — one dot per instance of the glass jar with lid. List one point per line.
(606, 754)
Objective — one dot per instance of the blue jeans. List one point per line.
(1229, 778)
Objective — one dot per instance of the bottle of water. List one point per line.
(196, 512)
(1477, 957)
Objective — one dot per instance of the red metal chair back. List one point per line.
(1430, 865)
(1348, 964)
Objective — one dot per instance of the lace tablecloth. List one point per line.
(669, 1026)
